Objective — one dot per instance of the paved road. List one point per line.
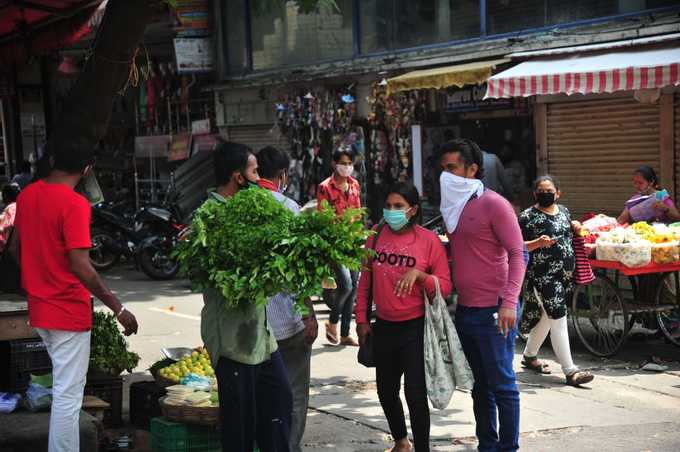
(625, 409)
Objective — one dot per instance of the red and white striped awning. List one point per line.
(586, 74)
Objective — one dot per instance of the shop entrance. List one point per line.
(507, 133)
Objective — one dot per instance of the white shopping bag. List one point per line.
(445, 364)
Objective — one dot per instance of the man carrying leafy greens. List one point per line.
(295, 333)
(255, 395)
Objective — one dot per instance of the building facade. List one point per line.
(284, 67)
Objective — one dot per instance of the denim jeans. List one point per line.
(341, 300)
(495, 395)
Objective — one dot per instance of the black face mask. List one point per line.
(249, 184)
(545, 199)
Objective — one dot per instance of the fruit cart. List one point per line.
(605, 311)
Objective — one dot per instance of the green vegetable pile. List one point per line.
(252, 247)
(108, 347)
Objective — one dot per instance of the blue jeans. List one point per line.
(495, 395)
(341, 300)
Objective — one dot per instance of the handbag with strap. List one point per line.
(583, 273)
(445, 364)
(10, 273)
(365, 353)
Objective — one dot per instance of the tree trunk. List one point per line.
(86, 114)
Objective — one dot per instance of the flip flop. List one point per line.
(536, 366)
(332, 338)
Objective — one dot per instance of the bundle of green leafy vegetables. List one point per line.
(108, 348)
(251, 247)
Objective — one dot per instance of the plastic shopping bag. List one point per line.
(38, 398)
(445, 364)
(8, 402)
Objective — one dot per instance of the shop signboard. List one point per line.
(192, 17)
(179, 147)
(200, 143)
(200, 127)
(152, 146)
(194, 55)
(472, 98)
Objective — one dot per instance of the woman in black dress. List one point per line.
(548, 286)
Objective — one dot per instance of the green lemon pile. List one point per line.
(198, 363)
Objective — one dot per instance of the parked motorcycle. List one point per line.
(147, 237)
(112, 233)
(154, 253)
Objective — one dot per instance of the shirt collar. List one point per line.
(216, 196)
(267, 184)
(350, 182)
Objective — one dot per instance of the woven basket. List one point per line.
(191, 415)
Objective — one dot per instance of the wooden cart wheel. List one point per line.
(600, 317)
(668, 307)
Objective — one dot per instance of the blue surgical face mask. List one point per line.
(395, 219)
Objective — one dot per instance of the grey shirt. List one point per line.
(494, 175)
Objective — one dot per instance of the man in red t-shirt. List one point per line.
(53, 227)
(342, 192)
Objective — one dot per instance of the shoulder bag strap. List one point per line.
(369, 306)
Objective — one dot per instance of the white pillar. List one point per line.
(417, 157)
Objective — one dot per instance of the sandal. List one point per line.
(579, 377)
(348, 340)
(535, 365)
(331, 333)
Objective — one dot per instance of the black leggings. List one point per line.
(398, 350)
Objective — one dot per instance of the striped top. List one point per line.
(282, 318)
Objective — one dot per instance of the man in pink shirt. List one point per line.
(488, 269)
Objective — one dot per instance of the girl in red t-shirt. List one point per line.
(408, 258)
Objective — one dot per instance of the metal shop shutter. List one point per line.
(593, 148)
(257, 137)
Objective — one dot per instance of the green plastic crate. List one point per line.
(169, 436)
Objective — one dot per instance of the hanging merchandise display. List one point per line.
(316, 123)
(391, 118)
(389, 152)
